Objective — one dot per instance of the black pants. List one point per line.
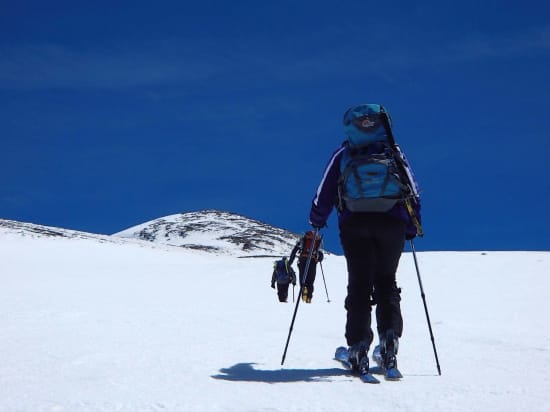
(312, 272)
(282, 291)
(372, 243)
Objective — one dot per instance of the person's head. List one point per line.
(363, 123)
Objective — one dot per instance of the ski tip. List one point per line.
(368, 378)
(393, 375)
(341, 352)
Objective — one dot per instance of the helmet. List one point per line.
(363, 123)
(359, 114)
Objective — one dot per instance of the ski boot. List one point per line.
(377, 355)
(358, 357)
(385, 355)
(306, 295)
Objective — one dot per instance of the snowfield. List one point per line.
(113, 324)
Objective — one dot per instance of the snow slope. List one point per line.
(93, 324)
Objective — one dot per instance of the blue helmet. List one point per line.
(363, 124)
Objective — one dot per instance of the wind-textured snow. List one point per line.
(99, 323)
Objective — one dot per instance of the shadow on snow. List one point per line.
(245, 372)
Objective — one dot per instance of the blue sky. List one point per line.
(115, 113)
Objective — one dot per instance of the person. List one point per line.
(372, 243)
(302, 249)
(283, 275)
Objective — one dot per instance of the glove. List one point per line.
(317, 226)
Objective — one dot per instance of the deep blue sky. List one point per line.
(115, 113)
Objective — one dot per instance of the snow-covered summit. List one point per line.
(215, 231)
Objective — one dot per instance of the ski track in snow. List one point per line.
(93, 325)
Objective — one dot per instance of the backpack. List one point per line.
(310, 240)
(369, 176)
(284, 274)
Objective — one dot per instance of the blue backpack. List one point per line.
(369, 177)
(284, 274)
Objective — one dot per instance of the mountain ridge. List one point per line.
(215, 231)
(211, 231)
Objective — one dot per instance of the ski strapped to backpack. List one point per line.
(411, 202)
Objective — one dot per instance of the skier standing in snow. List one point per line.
(303, 247)
(283, 275)
(372, 241)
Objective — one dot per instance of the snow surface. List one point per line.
(88, 324)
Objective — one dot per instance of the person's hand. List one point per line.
(317, 226)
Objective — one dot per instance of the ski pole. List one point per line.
(425, 306)
(324, 281)
(308, 262)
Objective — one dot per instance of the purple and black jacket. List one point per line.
(326, 198)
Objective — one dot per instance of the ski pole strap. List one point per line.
(414, 218)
